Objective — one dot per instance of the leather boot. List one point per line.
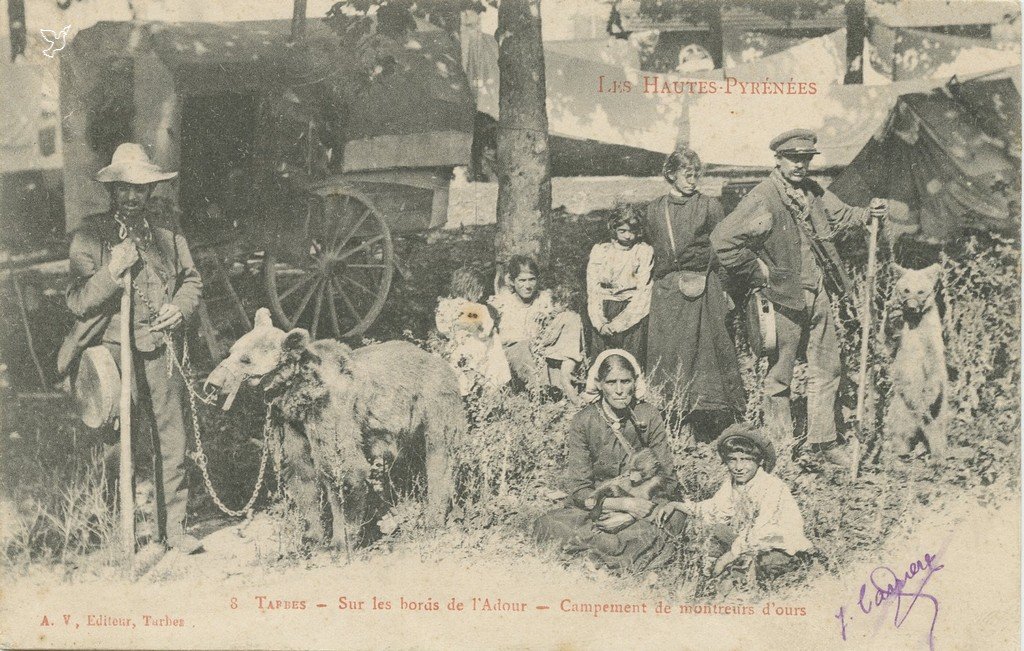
(778, 419)
(836, 453)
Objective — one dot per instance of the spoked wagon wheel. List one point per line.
(333, 276)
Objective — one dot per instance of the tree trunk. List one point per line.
(524, 171)
(16, 26)
(855, 32)
(298, 20)
(713, 15)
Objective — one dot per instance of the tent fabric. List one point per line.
(900, 54)
(939, 166)
(739, 47)
(817, 59)
(576, 108)
(735, 129)
(927, 13)
(656, 122)
(613, 51)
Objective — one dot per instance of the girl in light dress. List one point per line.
(619, 286)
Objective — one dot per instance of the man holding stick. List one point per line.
(139, 241)
(780, 238)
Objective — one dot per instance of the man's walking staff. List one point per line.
(125, 415)
(865, 338)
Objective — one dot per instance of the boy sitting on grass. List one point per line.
(753, 516)
(560, 343)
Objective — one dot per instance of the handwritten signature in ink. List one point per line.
(906, 590)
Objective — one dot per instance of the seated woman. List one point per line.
(539, 334)
(604, 439)
(473, 347)
(753, 516)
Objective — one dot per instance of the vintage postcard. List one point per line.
(473, 324)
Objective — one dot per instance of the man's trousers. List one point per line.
(161, 400)
(812, 330)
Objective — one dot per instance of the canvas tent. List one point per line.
(949, 159)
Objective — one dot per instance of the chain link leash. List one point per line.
(184, 368)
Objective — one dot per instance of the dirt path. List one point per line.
(973, 598)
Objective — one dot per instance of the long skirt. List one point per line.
(639, 547)
(689, 350)
(633, 340)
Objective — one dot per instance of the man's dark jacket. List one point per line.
(94, 295)
(763, 226)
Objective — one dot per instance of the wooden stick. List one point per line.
(865, 338)
(125, 415)
(28, 331)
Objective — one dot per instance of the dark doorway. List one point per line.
(217, 133)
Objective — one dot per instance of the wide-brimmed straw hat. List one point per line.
(592, 392)
(752, 435)
(97, 387)
(131, 164)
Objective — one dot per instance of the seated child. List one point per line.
(561, 343)
(474, 348)
(754, 516)
(543, 338)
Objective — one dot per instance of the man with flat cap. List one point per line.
(780, 238)
(139, 235)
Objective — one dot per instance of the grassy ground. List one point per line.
(55, 520)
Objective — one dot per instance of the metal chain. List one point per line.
(184, 367)
(203, 462)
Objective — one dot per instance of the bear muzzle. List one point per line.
(224, 380)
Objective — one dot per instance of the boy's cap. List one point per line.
(753, 435)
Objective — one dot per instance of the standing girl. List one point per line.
(689, 350)
(619, 286)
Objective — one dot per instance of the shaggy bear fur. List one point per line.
(919, 404)
(383, 410)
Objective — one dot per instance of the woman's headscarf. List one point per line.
(592, 393)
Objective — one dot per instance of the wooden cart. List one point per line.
(264, 179)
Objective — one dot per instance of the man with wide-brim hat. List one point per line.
(780, 239)
(139, 239)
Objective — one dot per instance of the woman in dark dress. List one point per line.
(689, 350)
(603, 438)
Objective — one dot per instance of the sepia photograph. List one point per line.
(510, 324)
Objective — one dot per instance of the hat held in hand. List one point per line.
(131, 164)
(97, 387)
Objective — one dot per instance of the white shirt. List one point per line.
(763, 513)
(475, 352)
(615, 273)
(519, 321)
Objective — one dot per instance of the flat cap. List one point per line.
(754, 436)
(796, 141)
